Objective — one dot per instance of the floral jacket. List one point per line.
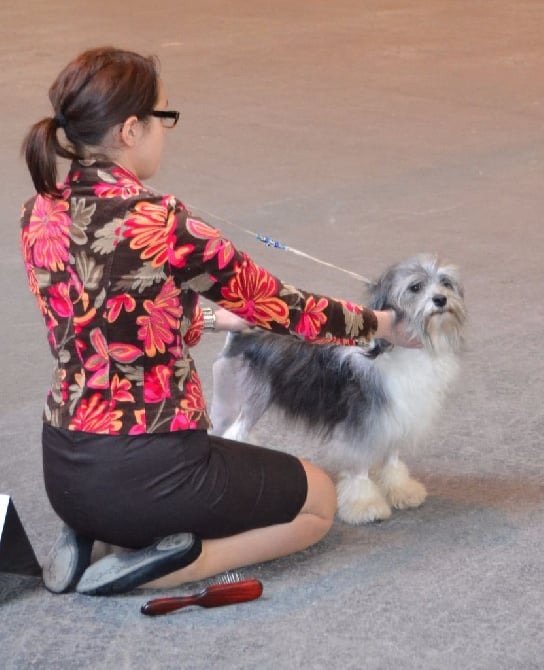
(116, 269)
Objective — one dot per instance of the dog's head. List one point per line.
(427, 293)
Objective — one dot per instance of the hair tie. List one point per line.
(59, 120)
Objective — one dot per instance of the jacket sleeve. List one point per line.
(212, 266)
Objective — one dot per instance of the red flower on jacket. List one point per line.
(182, 422)
(140, 426)
(59, 299)
(157, 384)
(252, 294)
(96, 415)
(312, 318)
(125, 186)
(217, 245)
(194, 333)
(120, 390)
(99, 362)
(47, 233)
(116, 304)
(151, 231)
(159, 328)
(193, 400)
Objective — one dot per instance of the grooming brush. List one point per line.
(215, 595)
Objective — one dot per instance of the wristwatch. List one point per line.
(208, 316)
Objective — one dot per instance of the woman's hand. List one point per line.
(395, 331)
(225, 320)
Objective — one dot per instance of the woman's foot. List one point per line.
(122, 572)
(66, 562)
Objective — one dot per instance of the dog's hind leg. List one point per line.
(401, 490)
(360, 500)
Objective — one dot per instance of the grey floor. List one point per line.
(359, 132)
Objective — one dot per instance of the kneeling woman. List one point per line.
(117, 269)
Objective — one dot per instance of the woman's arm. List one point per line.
(388, 329)
(212, 266)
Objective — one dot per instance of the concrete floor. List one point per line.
(360, 133)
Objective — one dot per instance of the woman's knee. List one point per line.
(321, 497)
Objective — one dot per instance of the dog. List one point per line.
(364, 405)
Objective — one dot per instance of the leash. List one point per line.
(276, 244)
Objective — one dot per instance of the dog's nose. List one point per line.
(440, 300)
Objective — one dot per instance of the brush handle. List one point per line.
(215, 595)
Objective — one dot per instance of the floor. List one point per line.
(359, 134)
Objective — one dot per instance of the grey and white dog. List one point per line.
(364, 405)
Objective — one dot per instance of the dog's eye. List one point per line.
(415, 288)
(446, 283)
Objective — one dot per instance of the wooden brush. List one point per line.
(215, 595)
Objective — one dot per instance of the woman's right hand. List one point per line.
(395, 331)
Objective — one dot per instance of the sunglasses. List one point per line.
(168, 117)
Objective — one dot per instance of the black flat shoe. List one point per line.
(119, 573)
(68, 559)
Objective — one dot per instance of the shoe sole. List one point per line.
(77, 556)
(119, 573)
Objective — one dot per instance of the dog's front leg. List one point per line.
(360, 500)
(402, 490)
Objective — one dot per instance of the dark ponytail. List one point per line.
(97, 90)
(41, 147)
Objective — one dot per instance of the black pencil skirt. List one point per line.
(131, 490)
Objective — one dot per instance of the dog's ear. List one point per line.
(379, 298)
(374, 295)
(379, 293)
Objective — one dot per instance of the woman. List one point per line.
(117, 269)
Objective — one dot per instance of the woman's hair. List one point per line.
(97, 90)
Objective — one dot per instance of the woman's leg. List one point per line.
(264, 544)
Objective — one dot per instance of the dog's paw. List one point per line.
(360, 501)
(401, 490)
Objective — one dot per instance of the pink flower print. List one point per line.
(150, 229)
(96, 415)
(48, 233)
(196, 328)
(159, 328)
(140, 426)
(157, 384)
(252, 294)
(312, 318)
(120, 390)
(26, 249)
(81, 322)
(99, 362)
(193, 402)
(117, 303)
(217, 245)
(60, 301)
(177, 255)
(125, 185)
(182, 422)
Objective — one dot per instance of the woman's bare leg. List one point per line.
(264, 544)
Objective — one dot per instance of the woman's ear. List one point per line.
(130, 131)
